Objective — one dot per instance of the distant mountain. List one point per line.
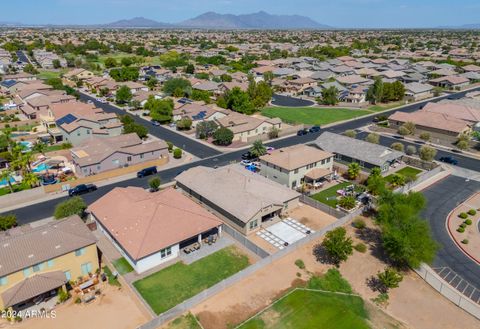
(260, 20)
(141, 22)
(464, 26)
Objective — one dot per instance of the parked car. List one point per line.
(302, 132)
(450, 160)
(82, 189)
(314, 129)
(248, 156)
(246, 163)
(155, 123)
(147, 172)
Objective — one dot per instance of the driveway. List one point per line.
(451, 263)
(288, 101)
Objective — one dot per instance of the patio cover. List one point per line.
(317, 173)
(32, 287)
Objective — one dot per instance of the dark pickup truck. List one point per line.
(82, 189)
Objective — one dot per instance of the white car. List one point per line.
(246, 163)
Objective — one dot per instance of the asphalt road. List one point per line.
(442, 198)
(280, 100)
(211, 157)
(194, 147)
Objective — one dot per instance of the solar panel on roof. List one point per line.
(69, 118)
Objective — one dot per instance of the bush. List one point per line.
(472, 212)
(78, 300)
(468, 222)
(7, 221)
(460, 230)
(177, 153)
(360, 247)
(154, 183)
(63, 295)
(359, 224)
(465, 241)
(463, 215)
(463, 225)
(73, 206)
(300, 264)
(170, 146)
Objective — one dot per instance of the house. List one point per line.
(416, 91)
(245, 127)
(209, 86)
(356, 95)
(199, 112)
(294, 165)
(244, 200)
(70, 78)
(134, 86)
(450, 82)
(75, 122)
(351, 80)
(298, 85)
(149, 229)
(367, 155)
(22, 76)
(46, 59)
(96, 155)
(37, 261)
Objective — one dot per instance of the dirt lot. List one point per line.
(414, 303)
(114, 309)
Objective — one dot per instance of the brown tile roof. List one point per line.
(295, 157)
(432, 120)
(25, 246)
(32, 287)
(143, 223)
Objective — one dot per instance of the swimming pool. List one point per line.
(4, 181)
(41, 167)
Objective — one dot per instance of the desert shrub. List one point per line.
(468, 221)
(359, 224)
(472, 212)
(465, 241)
(300, 264)
(360, 247)
(460, 230)
(463, 215)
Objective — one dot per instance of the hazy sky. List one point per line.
(337, 13)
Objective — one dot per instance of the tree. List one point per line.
(373, 138)
(7, 221)
(126, 61)
(154, 183)
(427, 153)
(350, 133)
(410, 126)
(176, 84)
(338, 245)
(190, 69)
(402, 130)
(375, 182)
(330, 96)
(411, 150)
(375, 92)
(397, 180)
(239, 101)
(29, 68)
(390, 278)
(462, 145)
(425, 136)
(201, 95)
(205, 129)
(123, 95)
(110, 62)
(258, 149)
(273, 132)
(353, 170)
(347, 202)
(136, 128)
(184, 123)
(30, 179)
(268, 77)
(223, 136)
(398, 147)
(73, 206)
(56, 64)
(152, 83)
(161, 110)
(177, 153)
(7, 175)
(124, 74)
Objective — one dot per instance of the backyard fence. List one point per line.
(449, 292)
(217, 288)
(321, 206)
(245, 242)
(422, 178)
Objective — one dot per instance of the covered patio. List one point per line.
(318, 176)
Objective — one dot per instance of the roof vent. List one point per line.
(30, 256)
(5, 245)
(57, 246)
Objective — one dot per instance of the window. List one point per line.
(85, 170)
(26, 272)
(80, 252)
(99, 167)
(36, 268)
(68, 275)
(3, 280)
(78, 133)
(129, 158)
(88, 132)
(296, 171)
(50, 263)
(166, 252)
(141, 156)
(253, 224)
(86, 268)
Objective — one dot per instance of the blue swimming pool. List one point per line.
(4, 181)
(41, 167)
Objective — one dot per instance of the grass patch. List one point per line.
(311, 309)
(187, 321)
(178, 282)
(312, 115)
(47, 74)
(111, 279)
(409, 173)
(16, 188)
(330, 281)
(329, 195)
(122, 266)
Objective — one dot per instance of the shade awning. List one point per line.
(32, 287)
(318, 173)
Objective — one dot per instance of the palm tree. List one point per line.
(397, 180)
(40, 148)
(7, 175)
(258, 149)
(31, 179)
(353, 170)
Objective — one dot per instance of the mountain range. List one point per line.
(212, 20)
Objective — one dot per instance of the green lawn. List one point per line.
(16, 188)
(111, 279)
(46, 74)
(187, 321)
(328, 196)
(122, 266)
(312, 115)
(405, 172)
(178, 282)
(311, 309)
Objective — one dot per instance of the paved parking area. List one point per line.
(451, 263)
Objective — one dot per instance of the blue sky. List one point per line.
(338, 13)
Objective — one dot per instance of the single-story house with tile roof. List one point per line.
(97, 154)
(244, 200)
(149, 229)
(416, 91)
(450, 82)
(245, 127)
(294, 165)
(366, 154)
(37, 261)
